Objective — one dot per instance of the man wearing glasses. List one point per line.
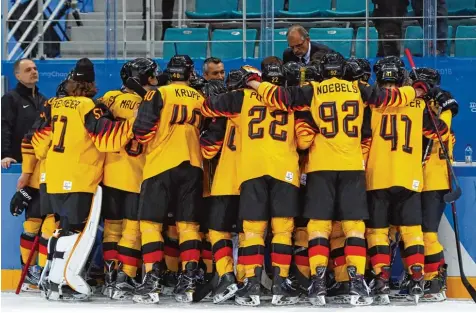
(300, 46)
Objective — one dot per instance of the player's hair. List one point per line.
(271, 60)
(301, 30)
(80, 89)
(16, 65)
(208, 61)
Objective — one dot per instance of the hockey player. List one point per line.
(269, 189)
(336, 177)
(75, 131)
(121, 185)
(169, 121)
(32, 194)
(396, 134)
(436, 183)
(219, 141)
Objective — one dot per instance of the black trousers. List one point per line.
(388, 23)
(167, 14)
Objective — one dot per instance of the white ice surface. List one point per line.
(32, 303)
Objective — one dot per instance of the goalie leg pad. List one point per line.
(71, 252)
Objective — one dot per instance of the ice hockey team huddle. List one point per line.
(314, 175)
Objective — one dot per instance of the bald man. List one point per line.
(301, 49)
(20, 107)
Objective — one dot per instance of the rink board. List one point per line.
(466, 208)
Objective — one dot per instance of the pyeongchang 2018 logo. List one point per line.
(472, 107)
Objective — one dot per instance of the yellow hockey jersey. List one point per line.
(396, 149)
(123, 169)
(267, 143)
(221, 136)
(337, 109)
(169, 121)
(77, 131)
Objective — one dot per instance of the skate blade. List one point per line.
(108, 292)
(29, 288)
(121, 295)
(227, 294)
(251, 301)
(184, 298)
(149, 298)
(381, 300)
(338, 300)
(434, 297)
(319, 300)
(278, 300)
(357, 300)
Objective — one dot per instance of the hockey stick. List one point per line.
(454, 194)
(464, 279)
(457, 193)
(36, 243)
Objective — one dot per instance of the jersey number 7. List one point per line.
(64, 120)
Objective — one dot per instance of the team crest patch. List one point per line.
(67, 185)
(289, 176)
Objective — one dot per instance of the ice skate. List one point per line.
(109, 278)
(124, 287)
(148, 291)
(416, 284)
(225, 289)
(249, 294)
(380, 287)
(168, 281)
(285, 291)
(30, 284)
(433, 291)
(358, 290)
(186, 285)
(338, 293)
(317, 289)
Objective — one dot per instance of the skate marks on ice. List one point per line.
(28, 302)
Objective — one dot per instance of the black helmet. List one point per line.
(352, 70)
(61, 90)
(180, 68)
(389, 59)
(312, 73)
(234, 80)
(273, 73)
(391, 73)
(197, 82)
(332, 65)
(213, 87)
(365, 66)
(141, 69)
(292, 73)
(428, 75)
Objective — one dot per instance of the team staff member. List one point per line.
(301, 48)
(20, 108)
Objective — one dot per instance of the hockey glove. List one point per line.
(420, 84)
(250, 73)
(20, 201)
(445, 100)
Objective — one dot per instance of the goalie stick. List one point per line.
(450, 196)
(454, 194)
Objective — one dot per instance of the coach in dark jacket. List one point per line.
(20, 107)
(300, 46)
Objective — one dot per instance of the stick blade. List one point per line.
(453, 195)
(469, 288)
